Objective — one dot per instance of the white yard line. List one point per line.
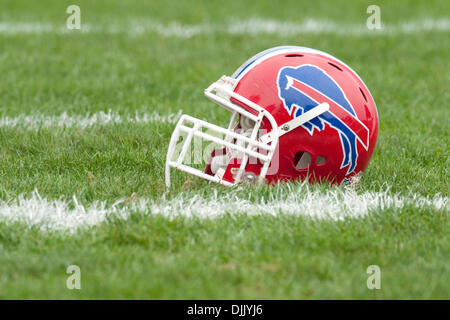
(69, 216)
(251, 26)
(101, 118)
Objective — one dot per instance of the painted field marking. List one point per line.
(101, 118)
(234, 26)
(35, 211)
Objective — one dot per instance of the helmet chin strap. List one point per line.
(298, 121)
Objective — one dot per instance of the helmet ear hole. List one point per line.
(302, 160)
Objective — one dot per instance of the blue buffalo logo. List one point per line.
(303, 88)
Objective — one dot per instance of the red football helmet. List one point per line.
(297, 113)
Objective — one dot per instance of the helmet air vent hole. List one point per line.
(333, 65)
(302, 159)
(320, 160)
(293, 55)
(362, 92)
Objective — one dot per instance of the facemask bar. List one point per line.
(220, 92)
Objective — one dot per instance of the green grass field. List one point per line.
(156, 58)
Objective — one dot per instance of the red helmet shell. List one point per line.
(286, 82)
